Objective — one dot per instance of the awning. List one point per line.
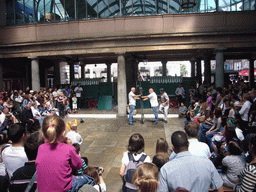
(245, 72)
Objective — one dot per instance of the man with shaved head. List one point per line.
(153, 102)
(188, 171)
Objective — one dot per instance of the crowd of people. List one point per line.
(31, 106)
(217, 147)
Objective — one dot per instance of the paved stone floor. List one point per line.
(105, 140)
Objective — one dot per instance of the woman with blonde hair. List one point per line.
(146, 177)
(56, 158)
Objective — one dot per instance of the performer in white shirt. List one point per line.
(132, 103)
(153, 101)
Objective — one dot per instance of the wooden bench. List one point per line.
(225, 189)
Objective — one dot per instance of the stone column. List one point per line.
(56, 73)
(108, 71)
(82, 71)
(193, 63)
(121, 85)
(219, 72)
(199, 71)
(164, 62)
(1, 77)
(35, 78)
(251, 73)
(2, 13)
(207, 70)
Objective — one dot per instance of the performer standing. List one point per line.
(78, 89)
(154, 103)
(164, 105)
(180, 92)
(132, 103)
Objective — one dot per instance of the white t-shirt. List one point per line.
(132, 100)
(102, 187)
(74, 137)
(78, 94)
(35, 112)
(199, 148)
(125, 159)
(55, 94)
(2, 118)
(153, 99)
(14, 158)
(239, 134)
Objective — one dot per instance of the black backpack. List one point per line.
(130, 170)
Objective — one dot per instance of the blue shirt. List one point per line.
(190, 172)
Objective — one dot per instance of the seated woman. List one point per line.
(214, 129)
(206, 125)
(162, 153)
(247, 181)
(200, 117)
(234, 163)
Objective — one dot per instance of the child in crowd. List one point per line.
(146, 177)
(136, 154)
(74, 103)
(15, 152)
(58, 156)
(73, 135)
(80, 171)
(162, 153)
(182, 110)
(98, 179)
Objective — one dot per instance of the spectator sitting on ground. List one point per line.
(73, 135)
(15, 151)
(162, 153)
(80, 171)
(188, 171)
(234, 162)
(135, 153)
(196, 147)
(182, 110)
(146, 177)
(36, 113)
(100, 185)
(22, 176)
(27, 118)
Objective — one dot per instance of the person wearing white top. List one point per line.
(244, 111)
(153, 101)
(132, 103)
(78, 89)
(73, 135)
(14, 155)
(195, 147)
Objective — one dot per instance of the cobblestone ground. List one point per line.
(105, 140)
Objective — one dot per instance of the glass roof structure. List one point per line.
(33, 11)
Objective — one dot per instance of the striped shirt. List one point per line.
(248, 180)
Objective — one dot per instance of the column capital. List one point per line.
(220, 49)
(121, 53)
(33, 57)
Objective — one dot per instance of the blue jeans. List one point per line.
(132, 107)
(202, 130)
(209, 139)
(79, 181)
(155, 110)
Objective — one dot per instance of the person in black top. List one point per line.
(22, 176)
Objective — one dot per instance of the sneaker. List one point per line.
(165, 121)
